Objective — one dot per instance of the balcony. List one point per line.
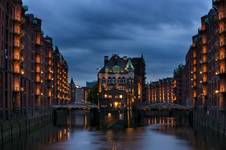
(38, 69)
(220, 59)
(17, 42)
(50, 55)
(38, 91)
(38, 59)
(38, 40)
(38, 79)
(16, 56)
(222, 91)
(49, 77)
(222, 18)
(16, 87)
(50, 93)
(17, 30)
(222, 32)
(17, 17)
(16, 68)
(221, 73)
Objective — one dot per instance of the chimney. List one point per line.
(105, 60)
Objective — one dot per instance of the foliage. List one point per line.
(93, 95)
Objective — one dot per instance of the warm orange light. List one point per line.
(18, 14)
(17, 42)
(16, 55)
(116, 104)
(16, 85)
(38, 69)
(38, 59)
(17, 29)
(38, 78)
(38, 39)
(16, 68)
(221, 15)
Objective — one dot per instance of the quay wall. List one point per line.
(213, 120)
(16, 128)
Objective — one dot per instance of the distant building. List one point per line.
(81, 94)
(73, 91)
(121, 82)
(161, 91)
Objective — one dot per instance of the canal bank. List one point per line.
(213, 120)
(21, 126)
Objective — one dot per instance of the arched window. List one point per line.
(123, 80)
(119, 80)
(113, 80)
(103, 81)
(109, 80)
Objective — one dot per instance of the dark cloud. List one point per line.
(86, 30)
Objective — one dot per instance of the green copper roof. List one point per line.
(116, 69)
(129, 66)
(207, 20)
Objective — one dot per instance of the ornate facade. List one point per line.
(121, 82)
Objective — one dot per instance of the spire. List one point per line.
(57, 50)
(72, 81)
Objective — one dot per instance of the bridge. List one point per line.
(76, 106)
(162, 106)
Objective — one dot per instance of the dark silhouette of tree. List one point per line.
(93, 95)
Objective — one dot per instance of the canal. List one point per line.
(152, 133)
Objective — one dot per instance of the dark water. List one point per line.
(151, 134)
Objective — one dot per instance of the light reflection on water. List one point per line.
(155, 134)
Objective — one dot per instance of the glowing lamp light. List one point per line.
(116, 104)
(22, 89)
(109, 115)
(217, 92)
(120, 96)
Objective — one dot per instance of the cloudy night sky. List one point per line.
(87, 30)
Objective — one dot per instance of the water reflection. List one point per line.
(156, 133)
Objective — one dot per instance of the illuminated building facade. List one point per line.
(10, 55)
(205, 61)
(26, 62)
(161, 91)
(121, 82)
(62, 93)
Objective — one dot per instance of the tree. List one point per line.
(93, 95)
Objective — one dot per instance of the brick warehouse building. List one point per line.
(121, 82)
(161, 91)
(27, 75)
(205, 60)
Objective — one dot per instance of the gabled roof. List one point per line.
(129, 66)
(117, 64)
